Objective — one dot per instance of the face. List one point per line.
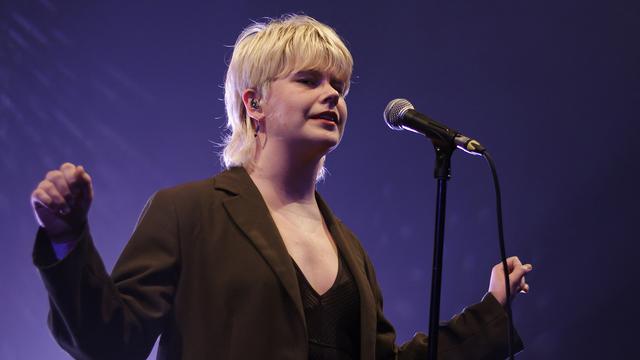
(307, 110)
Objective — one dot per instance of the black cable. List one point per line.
(503, 252)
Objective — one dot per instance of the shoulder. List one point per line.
(208, 189)
(198, 195)
(189, 190)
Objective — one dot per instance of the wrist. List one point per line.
(65, 238)
(62, 243)
(63, 248)
(500, 297)
(69, 235)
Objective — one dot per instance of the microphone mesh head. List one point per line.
(394, 112)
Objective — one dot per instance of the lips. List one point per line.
(327, 115)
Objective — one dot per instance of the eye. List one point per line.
(339, 86)
(306, 81)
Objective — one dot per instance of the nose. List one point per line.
(331, 96)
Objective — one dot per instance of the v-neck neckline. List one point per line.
(319, 296)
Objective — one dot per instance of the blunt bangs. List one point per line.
(316, 52)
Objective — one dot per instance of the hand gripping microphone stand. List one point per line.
(399, 114)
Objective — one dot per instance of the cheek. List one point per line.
(276, 114)
(342, 110)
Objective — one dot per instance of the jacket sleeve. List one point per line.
(95, 316)
(478, 333)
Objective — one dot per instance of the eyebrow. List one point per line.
(308, 72)
(318, 73)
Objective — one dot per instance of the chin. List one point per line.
(319, 143)
(334, 144)
(330, 142)
(324, 145)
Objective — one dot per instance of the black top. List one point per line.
(333, 318)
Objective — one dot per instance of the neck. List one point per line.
(284, 176)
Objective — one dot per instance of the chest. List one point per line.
(313, 249)
(229, 268)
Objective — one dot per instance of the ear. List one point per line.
(251, 101)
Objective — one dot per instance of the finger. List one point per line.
(39, 198)
(57, 202)
(58, 180)
(87, 190)
(521, 285)
(513, 262)
(67, 166)
(517, 275)
(525, 289)
(41, 201)
(82, 173)
(69, 171)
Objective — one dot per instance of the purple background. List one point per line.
(132, 89)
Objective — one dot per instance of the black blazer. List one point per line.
(207, 269)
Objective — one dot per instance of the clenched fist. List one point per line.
(62, 200)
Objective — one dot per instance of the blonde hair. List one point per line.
(265, 52)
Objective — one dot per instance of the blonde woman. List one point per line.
(250, 264)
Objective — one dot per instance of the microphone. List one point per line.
(400, 114)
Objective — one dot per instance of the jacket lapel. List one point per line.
(250, 213)
(355, 261)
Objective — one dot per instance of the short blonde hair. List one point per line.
(265, 52)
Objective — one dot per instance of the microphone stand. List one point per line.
(442, 173)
